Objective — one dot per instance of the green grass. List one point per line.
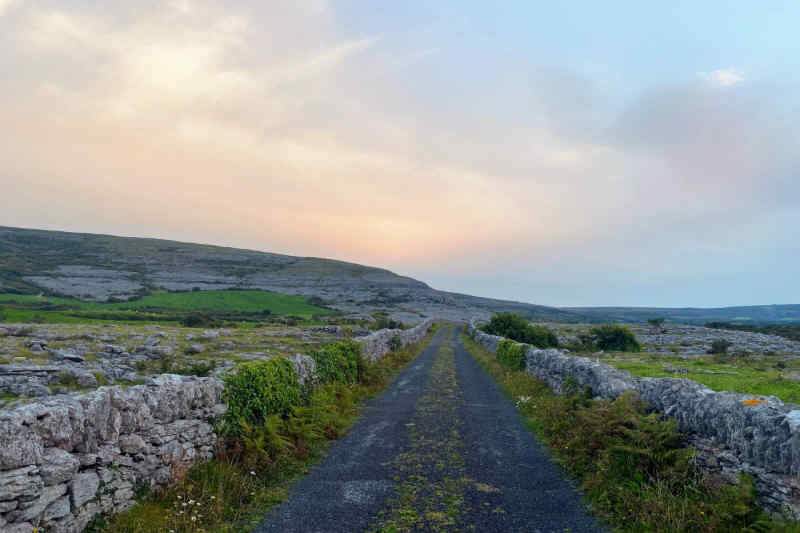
(160, 306)
(746, 377)
(241, 301)
(634, 467)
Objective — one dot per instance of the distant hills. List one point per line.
(752, 314)
(102, 267)
(94, 267)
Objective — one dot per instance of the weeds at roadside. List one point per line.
(635, 468)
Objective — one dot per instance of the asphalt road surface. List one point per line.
(440, 450)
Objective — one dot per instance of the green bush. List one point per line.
(511, 355)
(515, 327)
(614, 337)
(338, 362)
(257, 391)
(199, 320)
(720, 346)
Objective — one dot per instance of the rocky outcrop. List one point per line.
(378, 344)
(69, 458)
(732, 432)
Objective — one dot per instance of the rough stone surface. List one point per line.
(115, 435)
(757, 435)
(83, 488)
(376, 345)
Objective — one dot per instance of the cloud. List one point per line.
(6, 4)
(724, 77)
(276, 126)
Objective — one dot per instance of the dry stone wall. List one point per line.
(376, 345)
(733, 433)
(68, 458)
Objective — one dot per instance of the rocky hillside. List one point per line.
(99, 267)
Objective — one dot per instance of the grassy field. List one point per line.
(160, 306)
(769, 376)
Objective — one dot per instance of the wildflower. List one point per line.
(252, 473)
(183, 504)
(194, 518)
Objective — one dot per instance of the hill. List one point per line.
(100, 268)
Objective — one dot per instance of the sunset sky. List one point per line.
(560, 153)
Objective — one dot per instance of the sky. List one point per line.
(559, 153)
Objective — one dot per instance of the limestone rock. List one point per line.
(83, 488)
(20, 483)
(195, 349)
(58, 466)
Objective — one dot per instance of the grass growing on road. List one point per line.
(434, 491)
(634, 467)
(251, 472)
(431, 472)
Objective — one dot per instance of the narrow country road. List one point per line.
(440, 450)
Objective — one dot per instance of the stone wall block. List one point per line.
(58, 466)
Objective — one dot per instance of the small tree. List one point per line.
(516, 327)
(615, 338)
(720, 346)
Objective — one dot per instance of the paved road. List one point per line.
(439, 450)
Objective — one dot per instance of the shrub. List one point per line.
(614, 337)
(198, 320)
(515, 327)
(338, 362)
(511, 355)
(257, 391)
(720, 346)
